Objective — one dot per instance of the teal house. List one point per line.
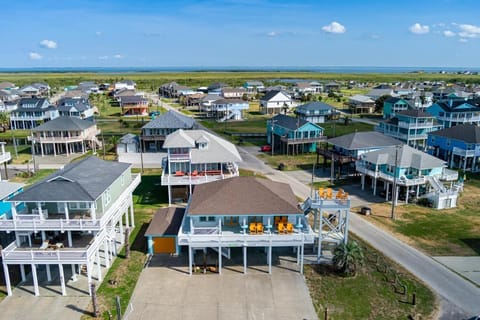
(452, 112)
(287, 134)
(393, 105)
(410, 126)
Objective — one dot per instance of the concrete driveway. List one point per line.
(166, 290)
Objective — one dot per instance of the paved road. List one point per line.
(459, 298)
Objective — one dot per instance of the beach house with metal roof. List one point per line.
(74, 217)
(275, 101)
(31, 112)
(452, 112)
(195, 157)
(316, 112)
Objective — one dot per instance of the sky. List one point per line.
(182, 33)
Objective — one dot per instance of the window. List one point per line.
(106, 197)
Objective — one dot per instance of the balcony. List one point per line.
(466, 153)
(237, 237)
(5, 156)
(179, 156)
(402, 181)
(299, 140)
(413, 125)
(448, 175)
(200, 178)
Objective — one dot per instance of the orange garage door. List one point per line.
(164, 245)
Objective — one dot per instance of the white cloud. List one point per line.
(417, 28)
(469, 31)
(272, 34)
(103, 57)
(334, 27)
(35, 56)
(118, 56)
(448, 33)
(462, 40)
(49, 44)
(98, 33)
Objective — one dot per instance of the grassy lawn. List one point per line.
(453, 232)
(147, 198)
(370, 294)
(339, 128)
(298, 162)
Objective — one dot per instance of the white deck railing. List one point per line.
(171, 179)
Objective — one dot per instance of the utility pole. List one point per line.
(313, 174)
(394, 190)
(273, 135)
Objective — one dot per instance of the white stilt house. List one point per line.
(196, 157)
(71, 218)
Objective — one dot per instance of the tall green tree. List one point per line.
(348, 257)
(379, 102)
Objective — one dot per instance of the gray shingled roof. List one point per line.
(272, 93)
(288, 122)
(166, 222)
(227, 197)
(171, 120)
(363, 140)
(361, 98)
(129, 138)
(314, 106)
(84, 180)
(7, 188)
(468, 133)
(218, 149)
(407, 157)
(64, 124)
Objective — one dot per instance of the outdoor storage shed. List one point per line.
(163, 229)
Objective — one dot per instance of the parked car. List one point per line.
(154, 114)
(266, 148)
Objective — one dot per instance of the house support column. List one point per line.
(49, 273)
(406, 194)
(69, 236)
(169, 195)
(62, 279)
(41, 148)
(35, 279)
(132, 213)
(22, 272)
(120, 226)
(7, 279)
(54, 150)
(374, 186)
(244, 259)
(190, 260)
(220, 259)
(127, 224)
(363, 181)
(386, 191)
(74, 273)
(270, 259)
(106, 253)
(99, 266)
(418, 190)
(302, 248)
(396, 195)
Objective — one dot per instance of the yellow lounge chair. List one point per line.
(253, 227)
(259, 227)
(281, 228)
(289, 227)
(320, 192)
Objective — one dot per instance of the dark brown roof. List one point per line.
(166, 222)
(243, 196)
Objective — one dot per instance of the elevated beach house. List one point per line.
(316, 112)
(459, 146)
(31, 112)
(293, 135)
(410, 126)
(73, 218)
(65, 135)
(452, 112)
(218, 218)
(275, 101)
(411, 172)
(155, 132)
(195, 157)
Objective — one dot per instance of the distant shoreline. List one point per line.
(313, 69)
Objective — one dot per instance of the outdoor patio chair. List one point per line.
(290, 227)
(339, 194)
(259, 227)
(281, 228)
(253, 228)
(195, 173)
(320, 192)
(329, 193)
(179, 173)
(276, 221)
